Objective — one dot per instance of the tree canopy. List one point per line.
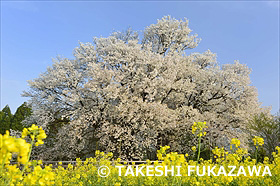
(21, 113)
(5, 119)
(9, 121)
(129, 95)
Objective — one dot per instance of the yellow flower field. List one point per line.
(89, 172)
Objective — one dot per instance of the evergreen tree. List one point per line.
(21, 113)
(5, 119)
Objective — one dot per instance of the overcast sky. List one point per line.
(34, 32)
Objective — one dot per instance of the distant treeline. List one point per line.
(9, 121)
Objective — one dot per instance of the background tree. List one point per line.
(5, 119)
(21, 113)
(267, 127)
(129, 96)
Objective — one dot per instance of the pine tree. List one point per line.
(21, 113)
(5, 119)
